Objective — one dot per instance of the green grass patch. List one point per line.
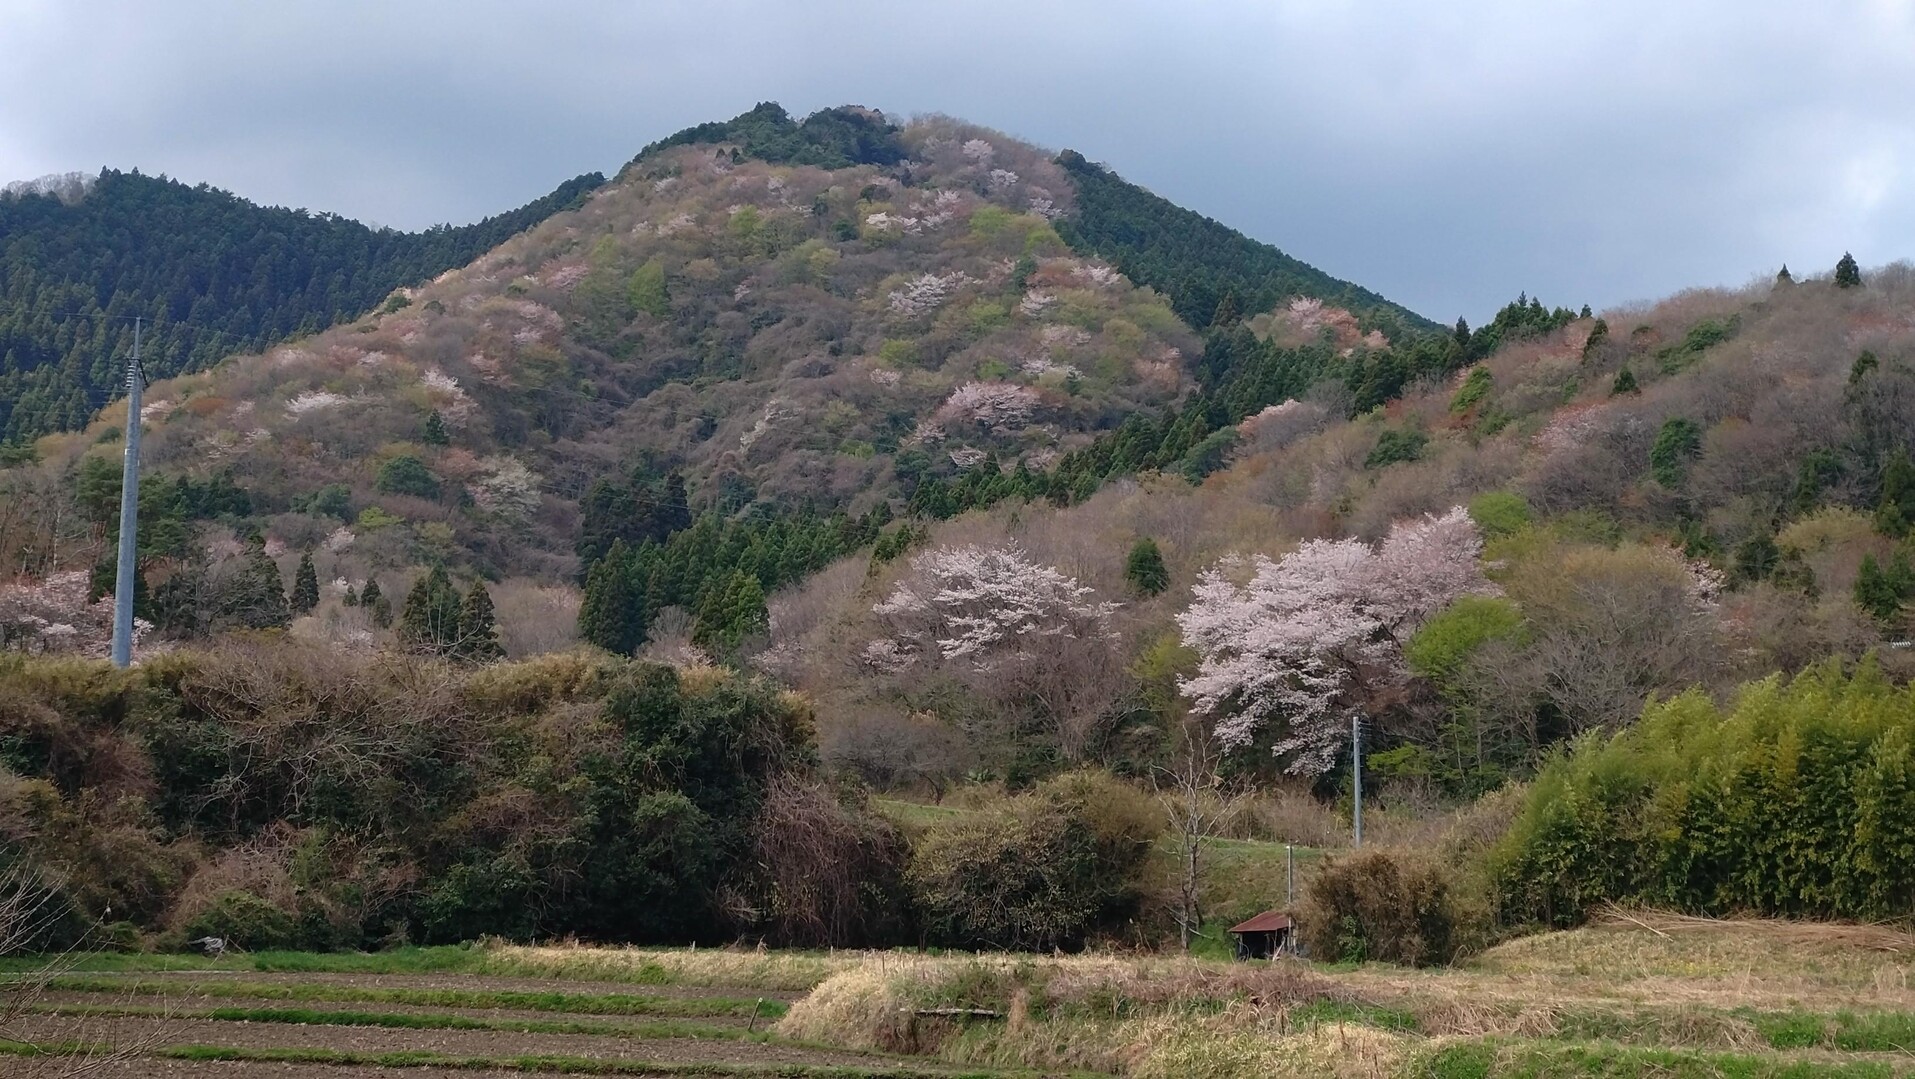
(1549, 1060)
(1865, 1032)
(566, 1064)
(572, 1003)
(1319, 1012)
(444, 959)
(917, 816)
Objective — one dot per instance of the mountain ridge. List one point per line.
(807, 326)
(211, 272)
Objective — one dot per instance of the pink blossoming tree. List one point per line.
(1307, 637)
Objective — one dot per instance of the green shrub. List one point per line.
(1380, 905)
(1794, 801)
(1395, 447)
(1679, 441)
(399, 797)
(407, 475)
(1046, 870)
(1500, 513)
(332, 500)
(1475, 387)
(247, 921)
(1144, 568)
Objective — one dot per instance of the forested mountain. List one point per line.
(1212, 272)
(974, 465)
(212, 273)
(742, 358)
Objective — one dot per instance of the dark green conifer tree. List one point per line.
(612, 614)
(1847, 273)
(1229, 310)
(478, 639)
(1784, 277)
(429, 622)
(1145, 569)
(305, 585)
(1625, 383)
(1756, 558)
(1597, 335)
(376, 602)
(435, 432)
(258, 598)
(1882, 590)
(731, 611)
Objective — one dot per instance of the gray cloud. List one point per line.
(1446, 154)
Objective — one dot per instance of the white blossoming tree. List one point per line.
(1023, 635)
(1305, 639)
(1000, 406)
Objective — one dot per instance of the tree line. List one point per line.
(212, 273)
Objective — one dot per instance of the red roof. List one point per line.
(1267, 922)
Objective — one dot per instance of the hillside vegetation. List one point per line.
(789, 331)
(819, 536)
(212, 274)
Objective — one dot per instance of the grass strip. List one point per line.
(1602, 1060)
(786, 970)
(561, 1064)
(1854, 1032)
(570, 1003)
(1885, 1032)
(402, 1021)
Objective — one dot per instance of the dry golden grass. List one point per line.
(1776, 932)
(734, 967)
(1632, 959)
(1236, 1044)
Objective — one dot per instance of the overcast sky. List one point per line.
(1447, 154)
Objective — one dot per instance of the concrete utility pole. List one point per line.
(129, 510)
(1356, 769)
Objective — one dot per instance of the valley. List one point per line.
(850, 595)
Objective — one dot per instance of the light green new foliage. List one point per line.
(1799, 800)
(647, 290)
(1475, 387)
(1446, 642)
(1500, 513)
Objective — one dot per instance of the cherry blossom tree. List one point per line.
(1306, 638)
(1000, 406)
(53, 615)
(1022, 634)
(926, 292)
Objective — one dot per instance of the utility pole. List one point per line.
(123, 580)
(1356, 769)
(1289, 875)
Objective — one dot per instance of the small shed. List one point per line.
(1262, 937)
